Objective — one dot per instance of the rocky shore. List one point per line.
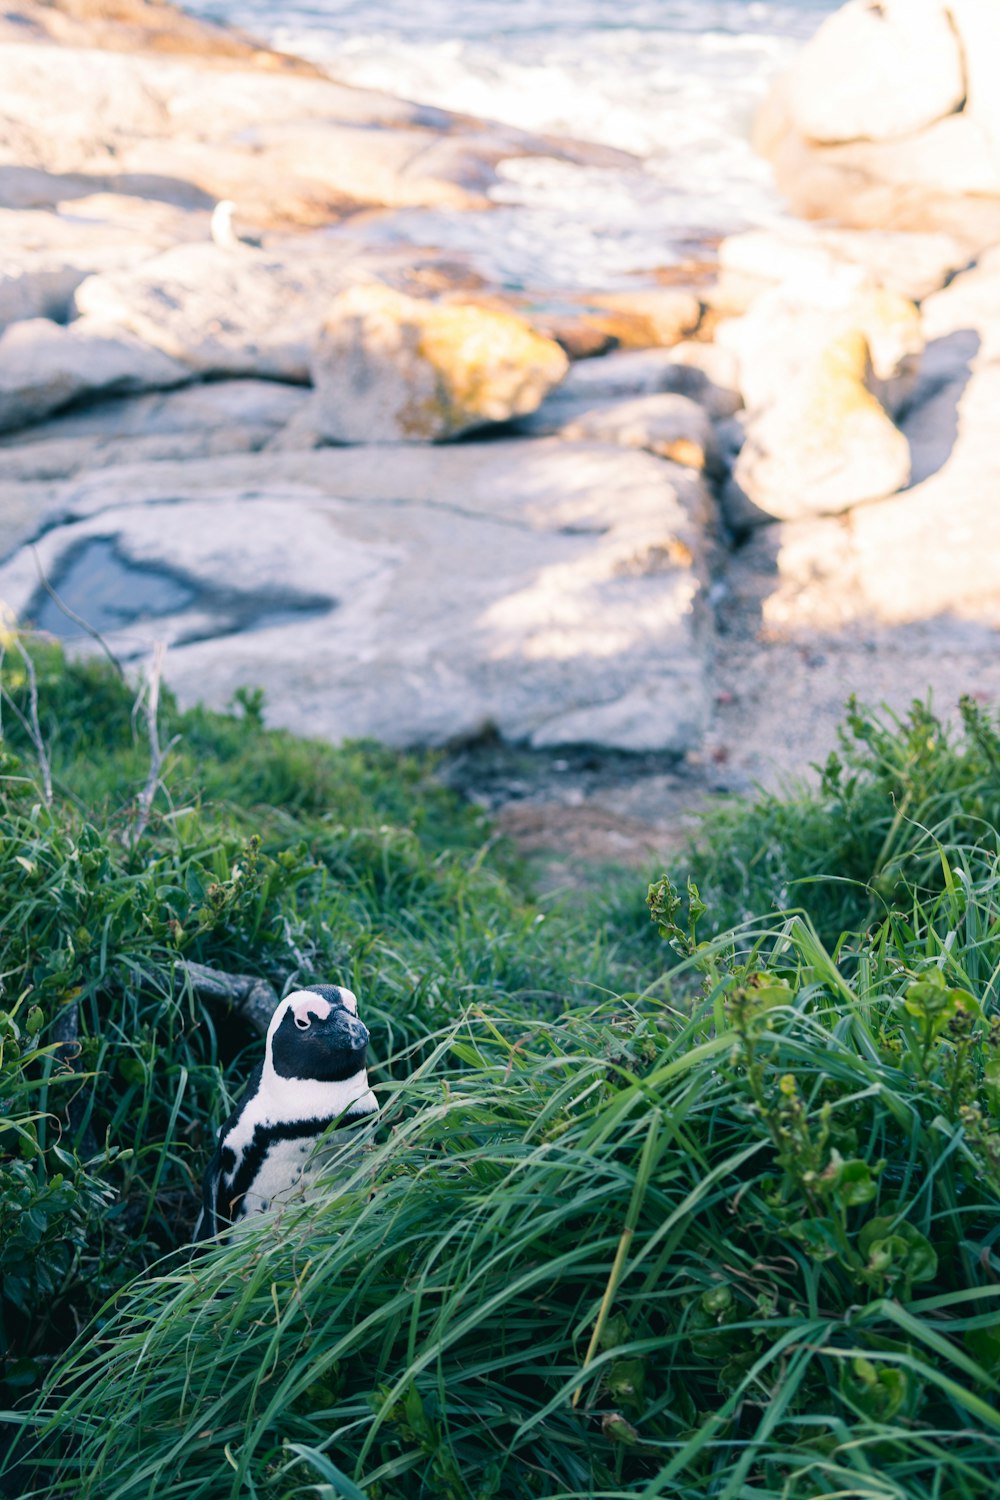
(676, 526)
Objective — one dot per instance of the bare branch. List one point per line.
(151, 692)
(252, 999)
(71, 614)
(30, 722)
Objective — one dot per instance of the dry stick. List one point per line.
(31, 724)
(151, 690)
(251, 998)
(71, 614)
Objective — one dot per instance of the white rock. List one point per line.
(945, 177)
(970, 305)
(35, 293)
(45, 255)
(670, 426)
(934, 552)
(233, 312)
(779, 339)
(810, 255)
(416, 595)
(226, 416)
(877, 69)
(977, 23)
(705, 373)
(44, 367)
(394, 369)
(826, 445)
(926, 560)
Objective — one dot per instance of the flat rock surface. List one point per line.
(564, 605)
(280, 142)
(239, 311)
(44, 366)
(814, 256)
(547, 590)
(198, 421)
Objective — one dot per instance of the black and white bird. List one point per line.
(314, 1072)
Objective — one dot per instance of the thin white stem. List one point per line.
(31, 722)
(150, 691)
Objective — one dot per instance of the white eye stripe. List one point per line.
(303, 1023)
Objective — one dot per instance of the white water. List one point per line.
(675, 82)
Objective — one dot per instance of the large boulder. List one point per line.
(777, 342)
(826, 445)
(546, 590)
(44, 367)
(923, 564)
(394, 369)
(914, 149)
(977, 28)
(878, 69)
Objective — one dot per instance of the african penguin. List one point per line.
(314, 1072)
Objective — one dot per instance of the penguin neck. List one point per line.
(311, 1099)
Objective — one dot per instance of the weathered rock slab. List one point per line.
(224, 311)
(811, 256)
(703, 373)
(226, 416)
(44, 367)
(394, 369)
(45, 255)
(652, 318)
(284, 143)
(418, 595)
(671, 426)
(892, 135)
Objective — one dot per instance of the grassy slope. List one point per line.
(710, 1219)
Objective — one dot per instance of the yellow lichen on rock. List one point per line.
(392, 368)
(829, 445)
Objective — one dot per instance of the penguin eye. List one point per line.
(303, 1023)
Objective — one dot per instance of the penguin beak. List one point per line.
(357, 1031)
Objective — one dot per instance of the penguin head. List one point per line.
(315, 1034)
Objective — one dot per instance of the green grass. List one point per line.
(266, 854)
(715, 1218)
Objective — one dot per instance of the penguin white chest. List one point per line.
(286, 1166)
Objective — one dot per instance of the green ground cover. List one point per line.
(704, 1206)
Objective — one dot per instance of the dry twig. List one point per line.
(149, 693)
(251, 998)
(71, 614)
(30, 722)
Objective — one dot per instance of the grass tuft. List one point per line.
(714, 1220)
